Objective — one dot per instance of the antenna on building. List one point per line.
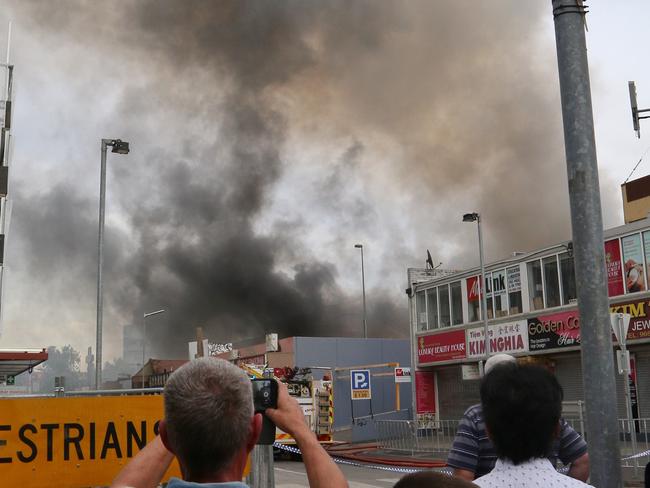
(429, 262)
(635, 109)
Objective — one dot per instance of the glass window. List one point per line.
(646, 249)
(499, 292)
(456, 303)
(633, 263)
(551, 282)
(432, 307)
(473, 299)
(514, 290)
(568, 277)
(535, 289)
(421, 310)
(445, 316)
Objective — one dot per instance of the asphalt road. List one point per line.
(291, 474)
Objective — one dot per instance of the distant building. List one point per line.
(132, 346)
(155, 373)
(636, 199)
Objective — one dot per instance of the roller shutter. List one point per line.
(568, 370)
(643, 380)
(455, 395)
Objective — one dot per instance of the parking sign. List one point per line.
(360, 384)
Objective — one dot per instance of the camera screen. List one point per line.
(265, 394)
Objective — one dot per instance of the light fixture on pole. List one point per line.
(363, 287)
(144, 336)
(475, 217)
(119, 147)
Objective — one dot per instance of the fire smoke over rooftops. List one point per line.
(267, 138)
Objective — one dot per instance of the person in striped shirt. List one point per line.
(473, 455)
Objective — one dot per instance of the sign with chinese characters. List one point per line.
(445, 346)
(510, 337)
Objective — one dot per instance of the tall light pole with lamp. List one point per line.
(363, 287)
(144, 336)
(475, 217)
(119, 147)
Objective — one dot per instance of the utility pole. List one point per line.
(598, 373)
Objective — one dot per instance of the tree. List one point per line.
(61, 362)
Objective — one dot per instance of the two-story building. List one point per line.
(532, 311)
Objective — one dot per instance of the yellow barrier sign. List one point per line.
(74, 442)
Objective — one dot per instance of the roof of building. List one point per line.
(159, 366)
(16, 361)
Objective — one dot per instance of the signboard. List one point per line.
(470, 372)
(614, 268)
(360, 384)
(473, 291)
(443, 346)
(425, 392)
(554, 331)
(402, 375)
(640, 317)
(510, 337)
(74, 442)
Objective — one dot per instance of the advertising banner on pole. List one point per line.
(425, 392)
(614, 268)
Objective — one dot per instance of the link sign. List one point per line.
(360, 384)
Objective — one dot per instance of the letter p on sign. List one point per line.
(360, 384)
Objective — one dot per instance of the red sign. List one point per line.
(473, 289)
(554, 331)
(614, 268)
(434, 348)
(425, 392)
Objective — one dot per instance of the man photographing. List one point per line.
(210, 427)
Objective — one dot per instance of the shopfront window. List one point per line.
(456, 303)
(514, 290)
(535, 288)
(551, 282)
(445, 315)
(421, 310)
(633, 263)
(473, 299)
(499, 293)
(568, 277)
(432, 307)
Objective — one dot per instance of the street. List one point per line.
(291, 474)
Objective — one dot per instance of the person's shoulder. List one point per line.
(474, 413)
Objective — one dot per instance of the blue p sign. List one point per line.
(360, 384)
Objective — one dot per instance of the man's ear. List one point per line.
(162, 430)
(255, 431)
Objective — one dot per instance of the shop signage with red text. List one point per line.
(511, 337)
(445, 346)
(640, 321)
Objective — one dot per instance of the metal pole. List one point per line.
(483, 291)
(628, 396)
(100, 265)
(363, 286)
(598, 373)
(262, 474)
(144, 341)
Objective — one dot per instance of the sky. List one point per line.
(268, 138)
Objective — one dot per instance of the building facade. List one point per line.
(533, 314)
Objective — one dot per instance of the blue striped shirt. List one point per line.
(473, 451)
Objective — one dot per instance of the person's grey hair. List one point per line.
(208, 410)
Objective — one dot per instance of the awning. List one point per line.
(16, 361)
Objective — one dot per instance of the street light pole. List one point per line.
(144, 336)
(363, 287)
(476, 217)
(119, 147)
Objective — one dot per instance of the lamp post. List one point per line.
(144, 336)
(475, 217)
(119, 147)
(363, 287)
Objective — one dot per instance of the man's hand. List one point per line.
(580, 468)
(464, 474)
(288, 416)
(321, 470)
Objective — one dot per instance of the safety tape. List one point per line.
(634, 456)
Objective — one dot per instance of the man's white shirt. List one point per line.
(537, 472)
